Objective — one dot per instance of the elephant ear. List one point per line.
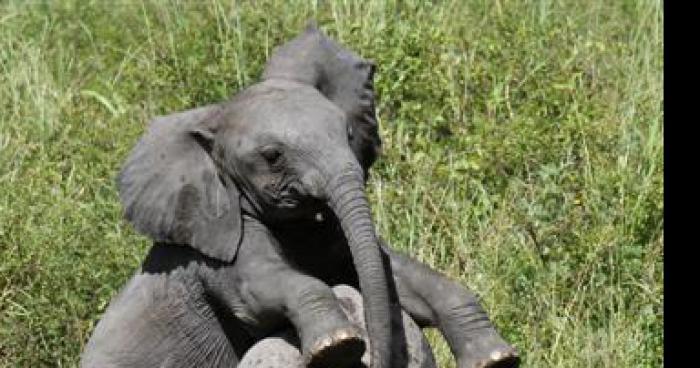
(341, 76)
(171, 190)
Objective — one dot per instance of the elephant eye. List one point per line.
(272, 155)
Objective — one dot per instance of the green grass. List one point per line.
(523, 154)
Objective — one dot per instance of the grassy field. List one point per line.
(523, 154)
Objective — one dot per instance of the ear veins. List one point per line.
(187, 202)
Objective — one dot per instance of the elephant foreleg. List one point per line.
(273, 290)
(410, 349)
(433, 300)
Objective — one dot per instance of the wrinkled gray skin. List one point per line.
(256, 207)
(409, 349)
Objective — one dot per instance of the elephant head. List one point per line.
(300, 140)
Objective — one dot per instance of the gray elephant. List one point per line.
(256, 207)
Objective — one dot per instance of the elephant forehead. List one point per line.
(293, 107)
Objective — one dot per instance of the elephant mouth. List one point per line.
(288, 202)
(291, 199)
(293, 195)
(293, 205)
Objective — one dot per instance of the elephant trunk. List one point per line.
(348, 200)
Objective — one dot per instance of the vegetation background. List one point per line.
(523, 154)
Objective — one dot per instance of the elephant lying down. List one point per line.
(256, 207)
(410, 348)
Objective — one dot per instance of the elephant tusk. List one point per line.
(319, 217)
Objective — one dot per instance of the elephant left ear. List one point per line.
(171, 189)
(341, 76)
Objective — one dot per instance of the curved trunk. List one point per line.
(348, 201)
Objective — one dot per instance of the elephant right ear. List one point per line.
(171, 189)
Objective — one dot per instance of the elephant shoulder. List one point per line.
(151, 321)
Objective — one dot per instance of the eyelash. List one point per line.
(272, 156)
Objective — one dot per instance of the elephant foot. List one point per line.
(341, 348)
(489, 351)
(500, 359)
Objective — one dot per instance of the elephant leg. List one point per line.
(410, 349)
(433, 300)
(325, 332)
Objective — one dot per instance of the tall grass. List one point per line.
(523, 155)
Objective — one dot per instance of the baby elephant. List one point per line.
(256, 207)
